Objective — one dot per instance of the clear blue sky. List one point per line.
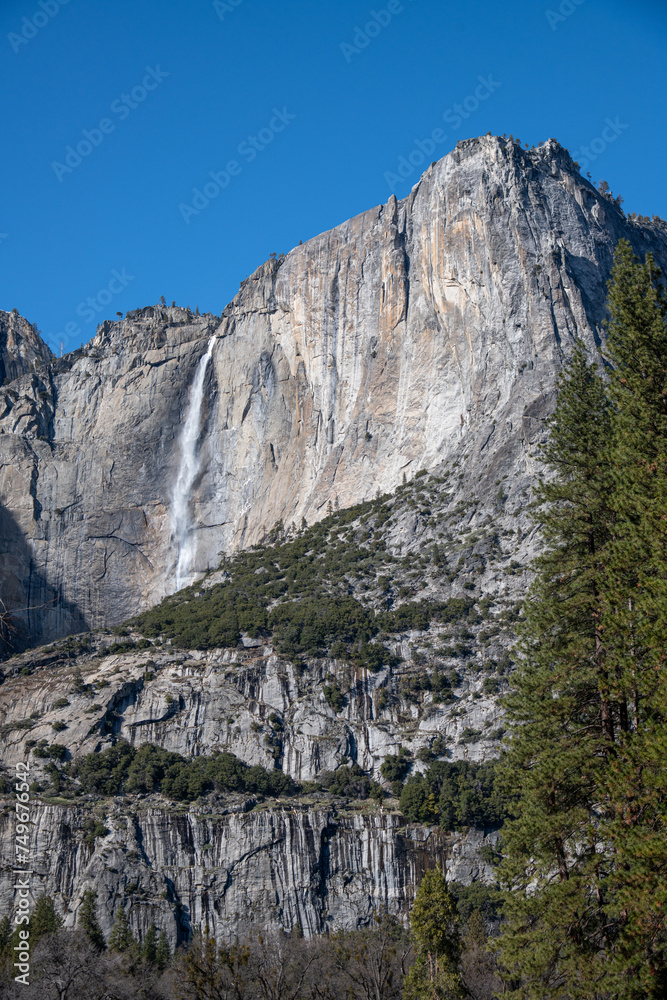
(557, 68)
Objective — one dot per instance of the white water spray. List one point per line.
(181, 517)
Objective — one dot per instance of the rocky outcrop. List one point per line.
(231, 862)
(236, 872)
(253, 703)
(420, 331)
(21, 347)
(423, 334)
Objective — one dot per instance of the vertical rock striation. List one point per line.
(238, 872)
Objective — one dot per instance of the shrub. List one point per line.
(93, 829)
(476, 897)
(395, 767)
(55, 752)
(334, 697)
(300, 575)
(350, 782)
(490, 685)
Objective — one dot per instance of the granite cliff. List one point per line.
(404, 362)
(420, 331)
(232, 861)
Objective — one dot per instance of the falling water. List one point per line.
(181, 517)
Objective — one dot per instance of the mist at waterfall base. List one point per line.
(183, 529)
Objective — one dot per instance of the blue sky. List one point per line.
(301, 119)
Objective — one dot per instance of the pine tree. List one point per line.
(43, 919)
(163, 952)
(5, 936)
(434, 924)
(560, 712)
(637, 605)
(149, 945)
(121, 934)
(636, 626)
(586, 852)
(87, 920)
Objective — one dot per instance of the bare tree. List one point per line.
(365, 965)
(66, 966)
(281, 966)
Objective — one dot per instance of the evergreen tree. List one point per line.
(560, 713)
(637, 585)
(87, 920)
(433, 919)
(163, 952)
(5, 930)
(5, 936)
(586, 852)
(121, 934)
(149, 945)
(635, 788)
(43, 919)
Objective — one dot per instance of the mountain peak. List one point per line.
(21, 346)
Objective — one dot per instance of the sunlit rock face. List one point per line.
(420, 331)
(21, 347)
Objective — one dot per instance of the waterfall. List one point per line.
(181, 517)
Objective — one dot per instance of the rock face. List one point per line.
(253, 703)
(420, 334)
(21, 347)
(240, 872)
(419, 331)
(231, 862)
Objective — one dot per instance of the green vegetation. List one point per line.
(43, 919)
(439, 684)
(455, 795)
(434, 925)
(347, 781)
(93, 829)
(585, 855)
(124, 769)
(396, 766)
(42, 749)
(334, 696)
(88, 922)
(478, 897)
(300, 593)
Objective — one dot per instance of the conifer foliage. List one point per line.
(433, 920)
(585, 864)
(88, 922)
(635, 785)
